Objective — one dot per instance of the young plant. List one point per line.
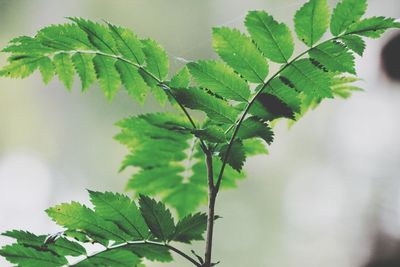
(195, 157)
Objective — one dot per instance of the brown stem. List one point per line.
(212, 195)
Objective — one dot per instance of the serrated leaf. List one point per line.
(157, 217)
(132, 81)
(355, 43)
(26, 238)
(64, 37)
(181, 79)
(46, 69)
(98, 35)
(308, 78)
(120, 210)
(75, 216)
(254, 147)
(334, 56)
(64, 69)
(220, 79)
(107, 74)
(254, 127)
(65, 247)
(186, 197)
(30, 257)
(311, 21)
(190, 228)
(21, 67)
(84, 66)
(156, 180)
(159, 94)
(128, 45)
(372, 27)
(273, 38)
(269, 107)
(236, 157)
(156, 59)
(151, 252)
(238, 51)
(212, 133)
(117, 258)
(346, 13)
(216, 109)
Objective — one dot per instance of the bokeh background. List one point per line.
(328, 194)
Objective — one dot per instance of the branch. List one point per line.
(123, 245)
(250, 104)
(212, 195)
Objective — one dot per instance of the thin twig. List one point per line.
(143, 242)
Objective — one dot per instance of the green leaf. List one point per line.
(285, 92)
(30, 257)
(355, 43)
(129, 46)
(372, 27)
(254, 127)
(342, 86)
(65, 247)
(75, 216)
(236, 157)
(181, 79)
(220, 79)
(190, 228)
(156, 180)
(83, 64)
(254, 147)
(212, 133)
(311, 21)
(346, 13)
(98, 35)
(238, 51)
(57, 245)
(334, 56)
(216, 109)
(120, 210)
(47, 70)
(270, 107)
(157, 217)
(107, 74)
(273, 38)
(132, 81)
(307, 77)
(151, 252)
(115, 257)
(156, 59)
(186, 197)
(21, 66)
(26, 238)
(64, 69)
(64, 37)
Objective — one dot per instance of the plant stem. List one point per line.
(212, 195)
(143, 242)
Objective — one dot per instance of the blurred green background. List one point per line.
(327, 196)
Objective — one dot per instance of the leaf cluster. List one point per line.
(238, 99)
